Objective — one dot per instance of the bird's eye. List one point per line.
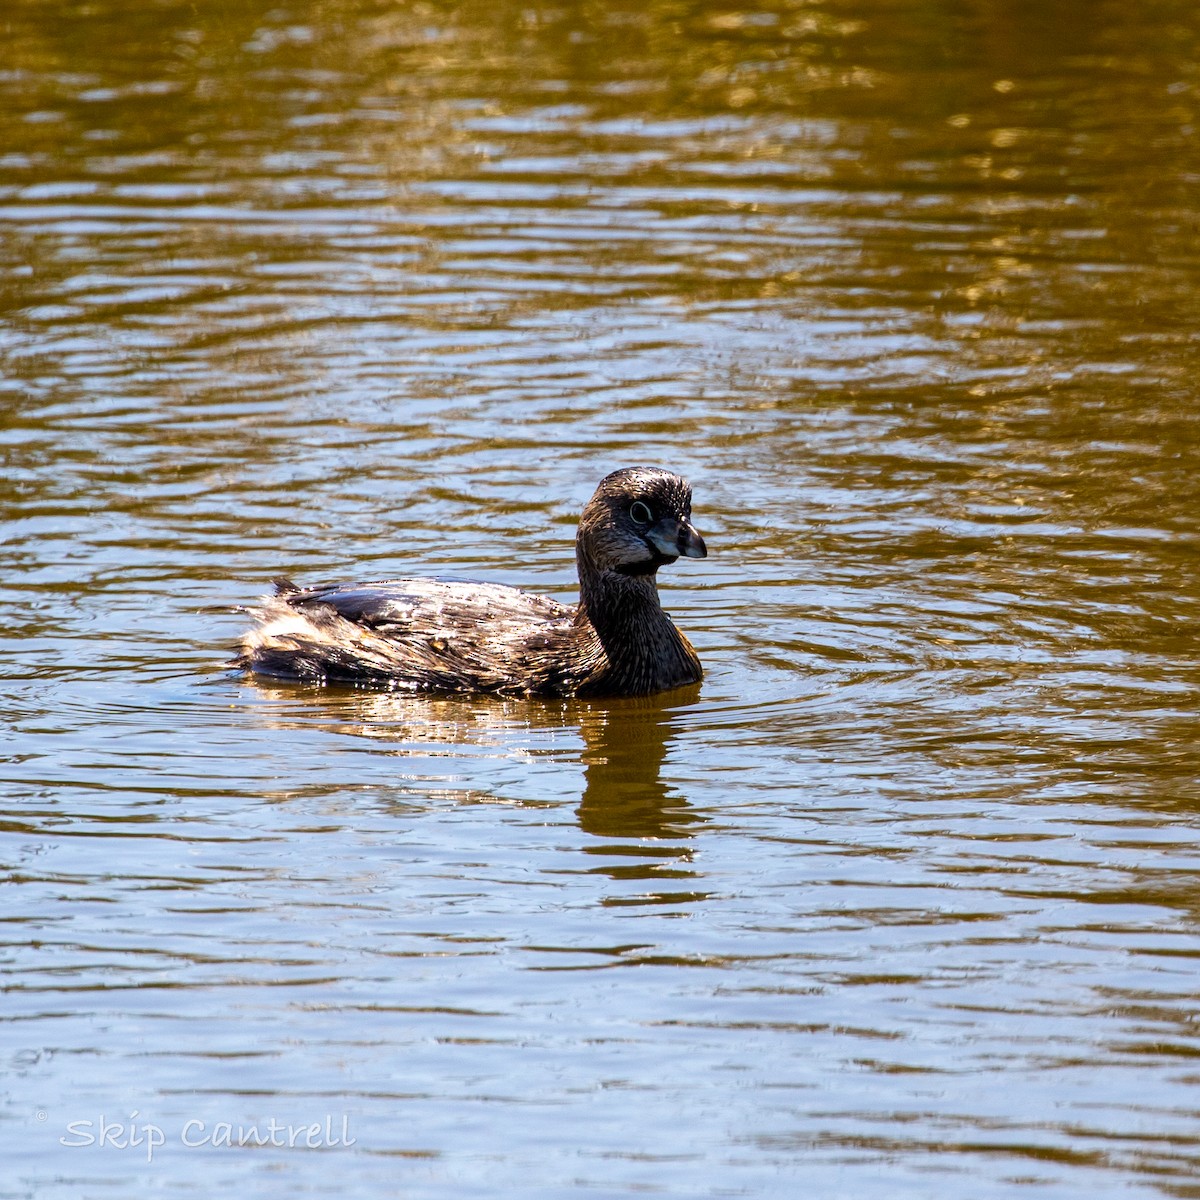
(641, 513)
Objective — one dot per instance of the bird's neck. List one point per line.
(645, 651)
(616, 605)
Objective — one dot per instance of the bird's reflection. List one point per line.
(624, 743)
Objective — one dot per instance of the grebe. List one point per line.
(433, 635)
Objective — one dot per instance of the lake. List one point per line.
(903, 900)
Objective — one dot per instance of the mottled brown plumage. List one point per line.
(434, 635)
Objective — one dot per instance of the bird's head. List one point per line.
(639, 519)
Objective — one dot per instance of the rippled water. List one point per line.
(902, 901)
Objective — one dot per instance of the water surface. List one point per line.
(902, 901)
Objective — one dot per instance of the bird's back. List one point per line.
(421, 635)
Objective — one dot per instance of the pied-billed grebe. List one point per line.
(434, 635)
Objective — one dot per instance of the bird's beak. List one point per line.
(676, 538)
